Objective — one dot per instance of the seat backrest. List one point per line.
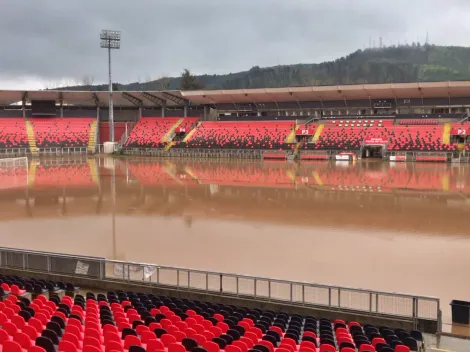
(167, 339)
(67, 346)
(11, 346)
(402, 348)
(176, 347)
(131, 340)
(45, 343)
(211, 346)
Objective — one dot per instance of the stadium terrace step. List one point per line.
(446, 133)
(190, 134)
(167, 136)
(92, 137)
(31, 138)
(168, 146)
(291, 137)
(318, 132)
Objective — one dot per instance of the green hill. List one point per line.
(411, 63)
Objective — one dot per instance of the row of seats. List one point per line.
(19, 285)
(61, 132)
(237, 135)
(419, 122)
(137, 322)
(361, 123)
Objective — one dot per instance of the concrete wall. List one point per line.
(319, 312)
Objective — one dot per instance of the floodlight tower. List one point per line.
(110, 40)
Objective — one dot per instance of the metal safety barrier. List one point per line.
(336, 298)
(196, 153)
(17, 152)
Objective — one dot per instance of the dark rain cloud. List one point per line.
(52, 41)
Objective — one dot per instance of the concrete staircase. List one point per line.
(168, 146)
(446, 133)
(31, 138)
(291, 137)
(92, 138)
(190, 134)
(170, 132)
(318, 132)
(297, 146)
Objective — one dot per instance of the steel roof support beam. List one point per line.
(24, 98)
(96, 99)
(136, 101)
(175, 99)
(154, 99)
(61, 104)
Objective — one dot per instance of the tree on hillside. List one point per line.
(189, 81)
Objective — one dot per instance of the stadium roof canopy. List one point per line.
(319, 93)
(92, 99)
(149, 99)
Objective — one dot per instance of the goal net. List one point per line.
(14, 173)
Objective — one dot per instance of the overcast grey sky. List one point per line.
(46, 42)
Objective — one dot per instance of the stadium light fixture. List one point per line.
(110, 40)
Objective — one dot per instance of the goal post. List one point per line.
(14, 173)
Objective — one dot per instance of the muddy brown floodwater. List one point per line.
(391, 227)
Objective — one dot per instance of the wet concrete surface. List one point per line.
(390, 227)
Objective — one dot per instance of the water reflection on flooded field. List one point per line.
(392, 227)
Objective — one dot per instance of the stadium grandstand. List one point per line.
(398, 122)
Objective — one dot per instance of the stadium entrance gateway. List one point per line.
(374, 147)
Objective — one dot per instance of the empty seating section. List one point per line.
(420, 138)
(236, 135)
(70, 176)
(407, 135)
(13, 133)
(149, 131)
(346, 138)
(62, 132)
(419, 122)
(137, 322)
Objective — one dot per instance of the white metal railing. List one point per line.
(125, 136)
(387, 304)
(16, 152)
(63, 151)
